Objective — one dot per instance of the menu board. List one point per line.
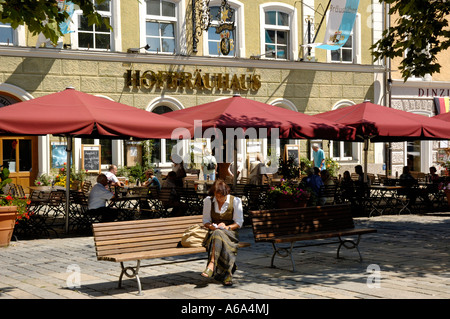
(292, 151)
(91, 158)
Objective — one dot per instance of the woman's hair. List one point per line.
(219, 186)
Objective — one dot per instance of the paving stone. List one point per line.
(411, 251)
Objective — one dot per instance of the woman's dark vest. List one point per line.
(227, 217)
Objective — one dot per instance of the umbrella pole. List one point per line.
(69, 165)
(366, 150)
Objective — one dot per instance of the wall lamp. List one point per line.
(136, 50)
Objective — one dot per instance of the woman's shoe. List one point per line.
(208, 272)
(228, 281)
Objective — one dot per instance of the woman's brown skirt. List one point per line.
(225, 243)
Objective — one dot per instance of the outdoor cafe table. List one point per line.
(127, 205)
(383, 198)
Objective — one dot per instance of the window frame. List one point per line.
(292, 40)
(356, 147)
(174, 105)
(19, 37)
(239, 37)
(179, 22)
(114, 35)
(13, 40)
(356, 44)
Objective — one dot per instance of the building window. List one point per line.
(345, 53)
(276, 35)
(341, 150)
(160, 26)
(279, 34)
(6, 34)
(215, 38)
(94, 37)
(349, 52)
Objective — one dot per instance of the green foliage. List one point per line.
(133, 172)
(137, 171)
(43, 180)
(20, 203)
(305, 163)
(447, 165)
(332, 166)
(4, 178)
(44, 16)
(289, 168)
(418, 35)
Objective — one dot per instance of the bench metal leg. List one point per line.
(283, 252)
(349, 244)
(134, 273)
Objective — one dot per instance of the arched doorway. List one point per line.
(18, 153)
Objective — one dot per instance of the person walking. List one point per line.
(318, 157)
(209, 165)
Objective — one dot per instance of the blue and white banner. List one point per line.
(341, 18)
(69, 8)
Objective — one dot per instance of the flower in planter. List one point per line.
(22, 206)
(297, 191)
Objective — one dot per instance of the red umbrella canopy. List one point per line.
(443, 117)
(382, 124)
(71, 112)
(238, 112)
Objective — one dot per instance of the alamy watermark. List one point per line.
(374, 279)
(74, 278)
(218, 139)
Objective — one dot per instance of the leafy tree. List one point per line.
(419, 34)
(44, 15)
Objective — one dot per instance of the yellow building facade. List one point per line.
(417, 95)
(266, 62)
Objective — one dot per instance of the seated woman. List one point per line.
(223, 216)
(347, 188)
(152, 180)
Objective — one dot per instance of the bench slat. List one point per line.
(143, 239)
(320, 235)
(168, 252)
(303, 223)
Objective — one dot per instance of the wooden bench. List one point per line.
(279, 226)
(143, 239)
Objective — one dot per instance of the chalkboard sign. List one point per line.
(292, 151)
(91, 158)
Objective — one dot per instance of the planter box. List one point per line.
(287, 201)
(8, 216)
(447, 193)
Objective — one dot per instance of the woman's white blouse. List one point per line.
(238, 214)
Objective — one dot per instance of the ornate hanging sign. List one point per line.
(226, 24)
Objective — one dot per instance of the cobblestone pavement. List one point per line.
(408, 258)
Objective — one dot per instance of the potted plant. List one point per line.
(289, 194)
(289, 168)
(447, 167)
(332, 166)
(447, 191)
(12, 210)
(43, 180)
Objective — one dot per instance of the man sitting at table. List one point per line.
(411, 191)
(98, 197)
(112, 178)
